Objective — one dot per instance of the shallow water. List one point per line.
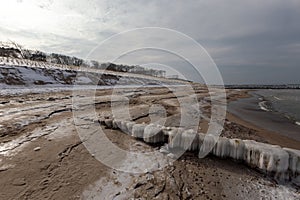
(285, 102)
(273, 110)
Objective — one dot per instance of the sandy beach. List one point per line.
(42, 156)
(149, 100)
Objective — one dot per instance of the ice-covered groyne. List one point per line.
(282, 163)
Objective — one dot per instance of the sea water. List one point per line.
(276, 110)
(283, 101)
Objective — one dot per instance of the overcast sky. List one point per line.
(250, 41)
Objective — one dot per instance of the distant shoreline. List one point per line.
(280, 86)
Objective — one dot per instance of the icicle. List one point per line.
(129, 126)
(138, 130)
(118, 124)
(175, 137)
(153, 134)
(123, 127)
(237, 149)
(270, 158)
(201, 137)
(222, 148)
(294, 161)
(115, 124)
(189, 140)
(294, 164)
(208, 143)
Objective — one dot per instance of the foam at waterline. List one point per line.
(263, 106)
(277, 98)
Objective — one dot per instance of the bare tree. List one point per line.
(19, 47)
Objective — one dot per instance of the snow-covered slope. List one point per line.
(26, 72)
(16, 51)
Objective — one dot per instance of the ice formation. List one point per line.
(153, 134)
(123, 126)
(237, 149)
(207, 143)
(138, 130)
(270, 158)
(294, 164)
(284, 163)
(190, 140)
(174, 137)
(108, 123)
(115, 124)
(222, 148)
(129, 126)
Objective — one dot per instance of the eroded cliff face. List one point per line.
(29, 76)
(15, 51)
(27, 72)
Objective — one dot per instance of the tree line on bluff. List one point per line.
(16, 51)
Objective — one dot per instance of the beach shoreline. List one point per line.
(269, 136)
(61, 167)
